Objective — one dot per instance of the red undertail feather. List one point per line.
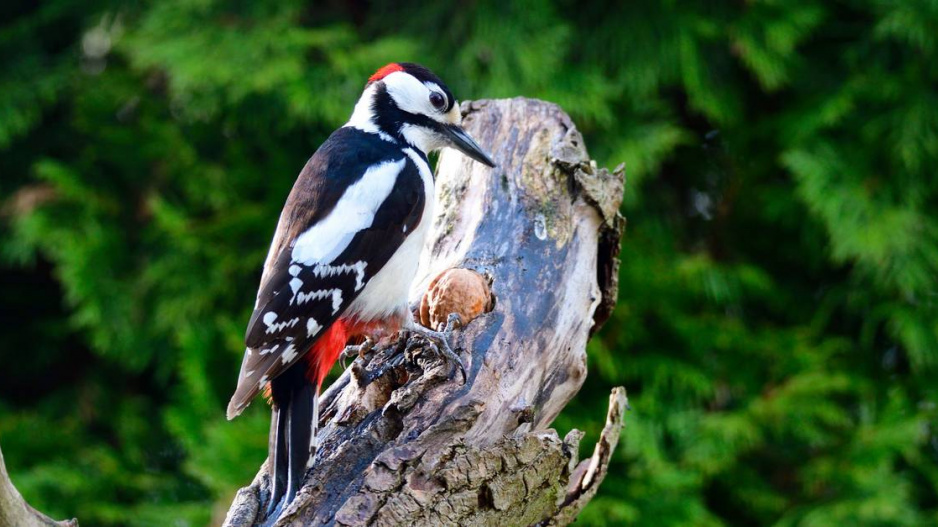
(327, 348)
(325, 351)
(385, 71)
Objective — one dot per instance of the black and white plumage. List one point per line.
(354, 205)
(344, 254)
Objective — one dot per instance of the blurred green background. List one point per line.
(777, 326)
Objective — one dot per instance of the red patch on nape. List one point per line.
(385, 71)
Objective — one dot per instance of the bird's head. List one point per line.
(407, 102)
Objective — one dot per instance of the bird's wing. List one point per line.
(316, 274)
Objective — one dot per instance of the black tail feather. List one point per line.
(299, 433)
(292, 426)
(278, 456)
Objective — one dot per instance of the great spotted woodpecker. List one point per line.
(344, 255)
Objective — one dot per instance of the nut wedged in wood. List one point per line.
(461, 292)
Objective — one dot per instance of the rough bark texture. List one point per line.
(403, 440)
(15, 512)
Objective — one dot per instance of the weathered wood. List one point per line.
(586, 477)
(15, 512)
(405, 442)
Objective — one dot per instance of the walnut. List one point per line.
(460, 291)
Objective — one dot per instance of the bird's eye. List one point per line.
(437, 100)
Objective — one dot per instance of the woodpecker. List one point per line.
(344, 255)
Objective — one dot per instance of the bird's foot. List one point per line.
(356, 351)
(438, 341)
(386, 358)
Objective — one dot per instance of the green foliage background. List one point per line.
(777, 326)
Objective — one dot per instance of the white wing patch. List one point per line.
(288, 354)
(354, 211)
(387, 291)
(270, 320)
(302, 298)
(326, 270)
(267, 351)
(312, 327)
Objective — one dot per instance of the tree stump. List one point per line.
(403, 440)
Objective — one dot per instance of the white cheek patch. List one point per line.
(424, 139)
(412, 95)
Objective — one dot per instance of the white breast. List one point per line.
(386, 294)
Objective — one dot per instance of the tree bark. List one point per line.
(15, 512)
(403, 441)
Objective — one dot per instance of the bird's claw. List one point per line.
(357, 350)
(438, 341)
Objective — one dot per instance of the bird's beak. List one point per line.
(462, 141)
